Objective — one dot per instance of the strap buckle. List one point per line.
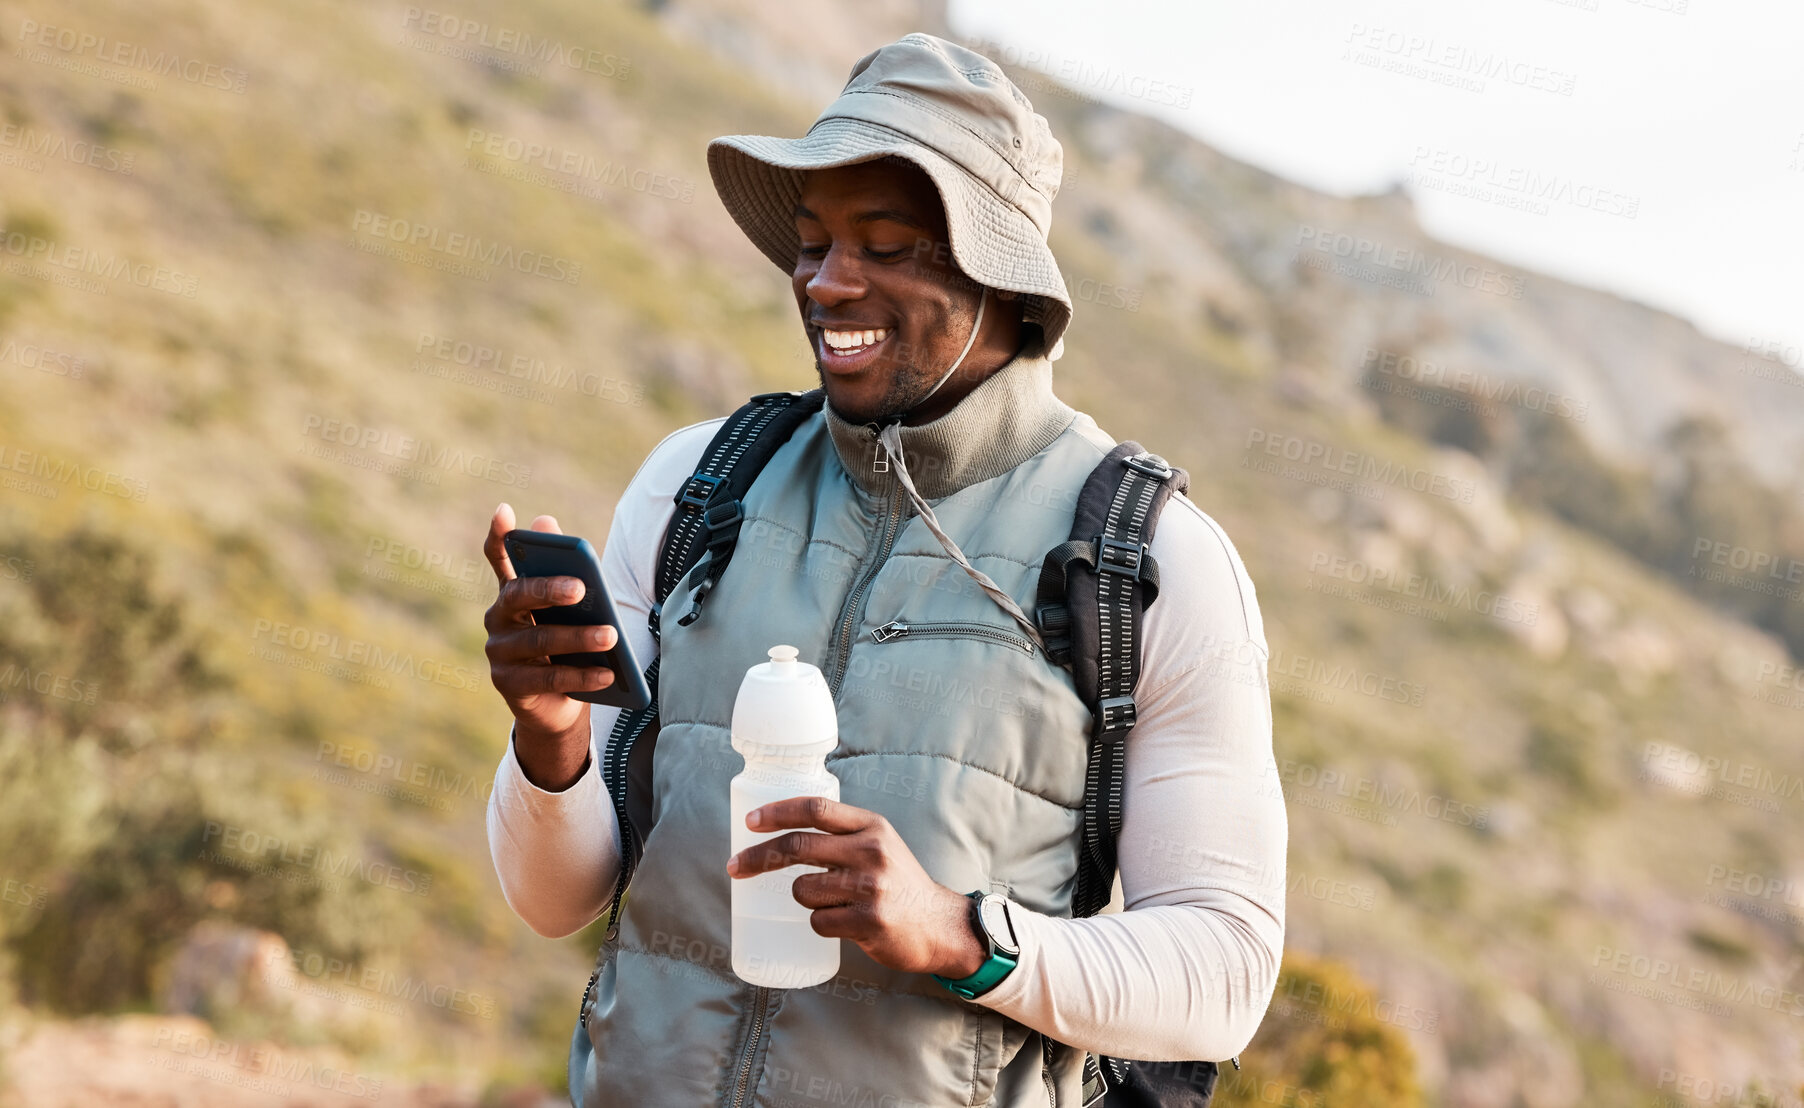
(1054, 620)
(1130, 559)
(1148, 463)
(717, 518)
(690, 495)
(1116, 716)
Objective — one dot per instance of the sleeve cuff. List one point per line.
(514, 791)
(1008, 995)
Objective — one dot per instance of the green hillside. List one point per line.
(276, 338)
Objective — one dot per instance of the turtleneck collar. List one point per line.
(1008, 418)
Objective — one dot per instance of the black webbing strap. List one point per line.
(1093, 591)
(710, 508)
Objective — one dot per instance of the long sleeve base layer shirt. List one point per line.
(1187, 970)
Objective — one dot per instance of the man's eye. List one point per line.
(814, 251)
(887, 255)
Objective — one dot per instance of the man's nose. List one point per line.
(839, 278)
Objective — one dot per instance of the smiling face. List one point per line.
(885, 307)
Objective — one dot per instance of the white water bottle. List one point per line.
(784, 724)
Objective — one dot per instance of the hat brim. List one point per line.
(759, 179)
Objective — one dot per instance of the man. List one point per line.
(913, 217)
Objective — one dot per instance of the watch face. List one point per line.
(992, 911)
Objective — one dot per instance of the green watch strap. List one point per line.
(994, 968)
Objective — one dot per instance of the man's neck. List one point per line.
(1002, 420)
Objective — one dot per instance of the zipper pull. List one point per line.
(894, 629)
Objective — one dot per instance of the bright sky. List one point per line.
(1687, 113)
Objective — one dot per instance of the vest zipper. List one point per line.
(850, 619)
(760, 1001)
(761, 993)
(896, 629)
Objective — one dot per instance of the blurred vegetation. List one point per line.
(109, 802)
(1325, 1042)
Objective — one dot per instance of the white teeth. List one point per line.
(854, 340)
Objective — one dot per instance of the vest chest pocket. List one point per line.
(963, 629)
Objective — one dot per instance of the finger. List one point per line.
(495, 547)
(546, 523)
(537, 642)
(524, 594)
(835, 887)
(811, 811)
(851, 921)
(521, 681)
(798, 848)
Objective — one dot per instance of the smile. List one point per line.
(850, 351)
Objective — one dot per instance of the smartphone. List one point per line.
(544, 554)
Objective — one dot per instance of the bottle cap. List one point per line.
(784, 703)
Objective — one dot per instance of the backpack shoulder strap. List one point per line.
(1094, 589)
(710, 505)
(705, 525)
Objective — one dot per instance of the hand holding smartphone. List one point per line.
(548, 554)
(549, 655)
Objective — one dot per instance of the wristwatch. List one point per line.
(998, 932)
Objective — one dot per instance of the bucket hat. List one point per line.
(951, 111)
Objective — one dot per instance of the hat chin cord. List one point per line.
(891, 438)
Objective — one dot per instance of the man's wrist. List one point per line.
(550, 763)
(968, 949)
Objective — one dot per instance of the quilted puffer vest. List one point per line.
(958, 730)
